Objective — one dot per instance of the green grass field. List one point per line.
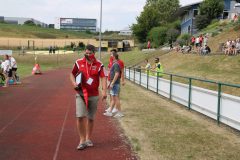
(23, 31)
(160, 129)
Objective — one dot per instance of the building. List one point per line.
(189, 12)
(76, 24)
(21, 21)
(125, 32)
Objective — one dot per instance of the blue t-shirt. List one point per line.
(115, 68)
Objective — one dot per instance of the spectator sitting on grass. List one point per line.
(206, 50)
(237, 49)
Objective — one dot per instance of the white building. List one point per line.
(125, 32)
(21, 21)
(76, 24)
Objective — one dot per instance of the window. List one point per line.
(195, 12)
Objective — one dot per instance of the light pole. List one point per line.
(100, 32)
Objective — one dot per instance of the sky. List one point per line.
(116, 14)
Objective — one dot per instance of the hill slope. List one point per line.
(23, 31)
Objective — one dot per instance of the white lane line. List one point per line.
(61, 133)
(14, 119)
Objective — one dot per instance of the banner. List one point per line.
(4, 52)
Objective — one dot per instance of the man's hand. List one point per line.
(104, 95)
(111, 85)
(75, 85)
(123, 83)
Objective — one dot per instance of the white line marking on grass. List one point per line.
(61, 133)
(14, 119)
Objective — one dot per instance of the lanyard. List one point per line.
(88, 75)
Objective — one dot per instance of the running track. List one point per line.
(37, 122)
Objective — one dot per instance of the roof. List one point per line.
(182, 9)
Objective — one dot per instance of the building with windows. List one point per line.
(189, 12)
(76, 24)
(21, 21)
(125, 32)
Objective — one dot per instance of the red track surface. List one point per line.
(37, 122)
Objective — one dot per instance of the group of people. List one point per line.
(198, 44)
(232, 47)
(52, 49)
(157, 70)
(86, 76)
(8, 71)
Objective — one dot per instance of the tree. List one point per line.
(211, 8)
(155, 13)
(147, 20)
(158, 36)
(165, 9)
(29, 23)
(202, 21)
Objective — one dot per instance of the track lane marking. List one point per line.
(14, 119)
(61, 133)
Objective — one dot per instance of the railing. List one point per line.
(222, 107)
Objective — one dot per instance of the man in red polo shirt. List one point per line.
(85, 79)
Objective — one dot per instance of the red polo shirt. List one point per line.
(93, 71)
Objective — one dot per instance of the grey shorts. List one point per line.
(82, 111)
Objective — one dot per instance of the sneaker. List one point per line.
(115, 110)
(81, 146)
(109, 114)
(119, 115)
(108, 109)
(89, 143)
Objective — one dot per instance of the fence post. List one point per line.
(147, 79)
(129, 73)
(134, 75)
(219, 102)
(170, 96)
(190, 93)
(140, 77)
(157, 81)
(125, 74)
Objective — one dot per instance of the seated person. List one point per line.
(2, 77)
(237, 49)
(206, 50)
(186, 49)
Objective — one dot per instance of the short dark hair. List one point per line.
(115, 54)
(114, 50)
(156, 59)
(90, 48)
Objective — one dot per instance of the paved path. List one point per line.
(37, 123)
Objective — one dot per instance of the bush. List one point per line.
(181, 42)
(142, 46)
(172, 35)
(185, 38)
(214, 34)
(214, 24)
(157, 36)
(202, 21)
(237, 27)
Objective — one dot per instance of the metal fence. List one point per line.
(220, 106)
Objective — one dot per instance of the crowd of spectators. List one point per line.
(197, 45)
(232, 47)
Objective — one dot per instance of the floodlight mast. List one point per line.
(100, 32)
